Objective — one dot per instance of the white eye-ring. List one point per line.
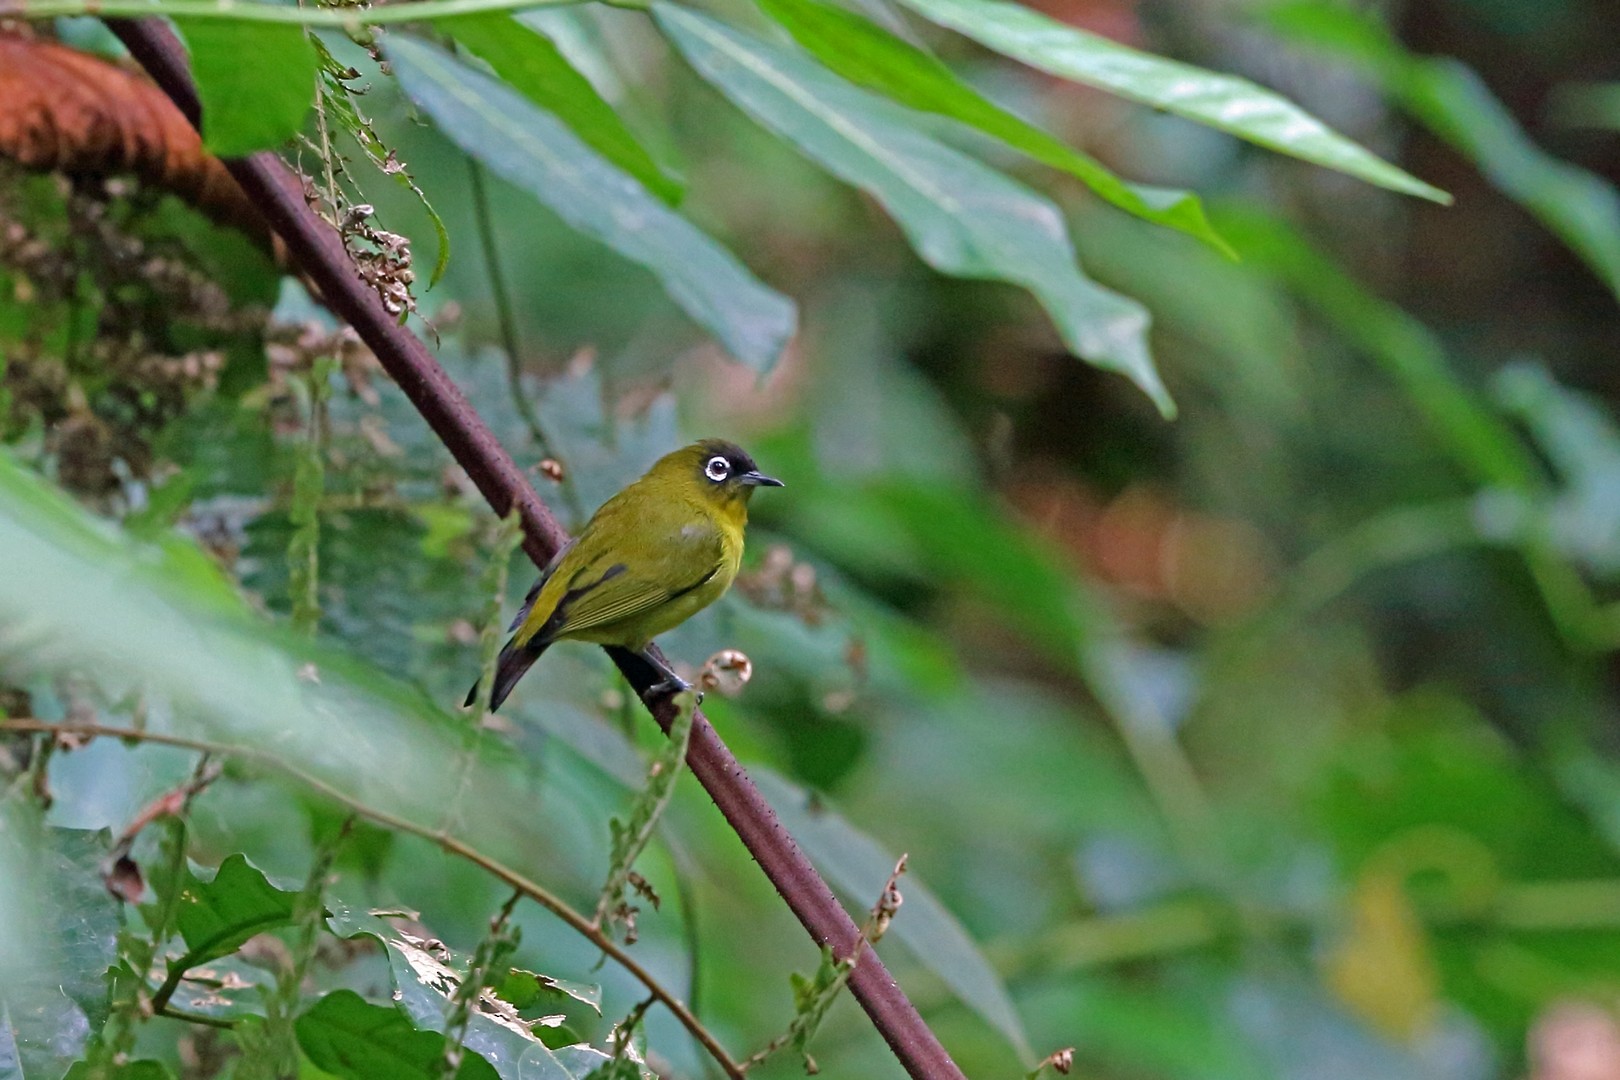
(717, 469)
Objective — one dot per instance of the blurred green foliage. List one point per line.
(1273, 741)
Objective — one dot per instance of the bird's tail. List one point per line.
(514, 660)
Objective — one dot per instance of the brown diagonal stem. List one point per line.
(317, 250)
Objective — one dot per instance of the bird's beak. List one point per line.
(755, 478)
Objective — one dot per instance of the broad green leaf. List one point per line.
(963, 217)
(535, 151)
(60, 937)
(865, 53)
(525, 988)
(857, 867)
(423, 987)
(217, 916)
(531, 63)
(1447, 97)
(82, 600)
(351, 1038)
(256, 82)
(1224, 102)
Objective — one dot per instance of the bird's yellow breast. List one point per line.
(649, 560)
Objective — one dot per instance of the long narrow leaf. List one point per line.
(1224, 102)
(1448, 98)
(537, 152)
(865, 53)
(533, 65)
(963, 217)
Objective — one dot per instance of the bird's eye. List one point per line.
(717, 469)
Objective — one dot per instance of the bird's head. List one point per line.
(720, 470)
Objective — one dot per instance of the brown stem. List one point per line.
(532, 889)
(316, 249)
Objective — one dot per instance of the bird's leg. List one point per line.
(671, 683)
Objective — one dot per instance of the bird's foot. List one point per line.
(669, 686)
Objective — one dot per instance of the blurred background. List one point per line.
(1277, 740)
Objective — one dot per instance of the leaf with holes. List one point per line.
(347, 1036)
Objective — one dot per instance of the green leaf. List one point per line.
(524, 988)
(256, 82)
(535, 151)
(963, 217)
(58, 937)
(1448, 98)
(351, 1038)
(857, 867)
(424, 985)
(216, 917)
(865, 53)
(1224, 102)
(159, 620)
(227, 988)
(631, 837)
(533, 65)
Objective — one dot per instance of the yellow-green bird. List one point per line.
(655, 554)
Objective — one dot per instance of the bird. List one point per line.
(661, 550)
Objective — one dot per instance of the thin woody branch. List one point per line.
(316, 249)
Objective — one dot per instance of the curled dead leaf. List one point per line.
(726, 672)
(67, 111)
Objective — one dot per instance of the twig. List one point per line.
(349, 18)
(318, 251)
(532, 889)
(814, 996)
(631, 836)
(489, 647)
(507, 323)
(493, 951)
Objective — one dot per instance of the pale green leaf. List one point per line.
(865, 53)
(535, 151)
(126, 618)
(1447, 97)
(1224, 102)
(531, 63)
(963, 217)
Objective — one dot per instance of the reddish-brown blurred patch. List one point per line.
(69, 112)
(1116, 19)
(1211, 569)
(1575, 1040)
